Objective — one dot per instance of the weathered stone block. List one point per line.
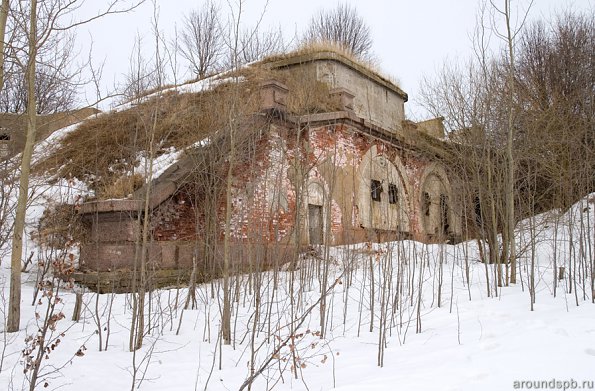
(273, 95)
(104, 257)
(124, 230)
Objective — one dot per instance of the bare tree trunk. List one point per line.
(142, 287)
(14, 314)
(509, 155)
(138, 324)
(226, 315)
(3, 17)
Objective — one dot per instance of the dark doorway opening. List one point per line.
(444, 223)
(315, 224)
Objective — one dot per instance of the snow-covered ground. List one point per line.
(383, 295)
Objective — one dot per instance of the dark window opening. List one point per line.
(393, 194)
(376, 190)
(425, 203)
(444, 213)
(4, 137)
(478, 216)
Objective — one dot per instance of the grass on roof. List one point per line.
(104, 152)
(312, 48)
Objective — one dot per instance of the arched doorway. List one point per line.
(435, 203)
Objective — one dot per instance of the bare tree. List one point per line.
(202, 44)
(342, 26)
(232, 126)
(526, 115)
(141, 77)
(56, 78)
(3, 18)
(41, 29)
(510, 38)
(256, 44)
(555, 83)
(14, 313)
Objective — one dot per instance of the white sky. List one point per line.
(412, 39)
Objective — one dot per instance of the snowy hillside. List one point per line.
(399, 315)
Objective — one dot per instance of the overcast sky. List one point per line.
(412, 38)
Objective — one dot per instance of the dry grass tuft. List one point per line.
(318, 47)
(307, 95)
(122, 187)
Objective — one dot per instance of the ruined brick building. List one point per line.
(355, 174)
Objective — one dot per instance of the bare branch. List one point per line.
(201, 42)
(342, 26)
